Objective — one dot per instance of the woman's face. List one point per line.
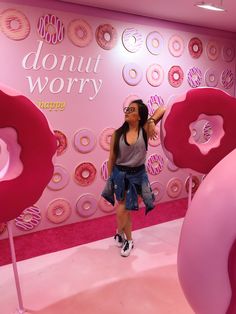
(131, 113)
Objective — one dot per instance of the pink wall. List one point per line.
(93, 97)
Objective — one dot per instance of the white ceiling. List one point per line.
(182, 11)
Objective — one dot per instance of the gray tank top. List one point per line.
(132, 155)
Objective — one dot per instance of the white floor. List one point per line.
(94, 278)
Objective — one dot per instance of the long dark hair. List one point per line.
(143, 113)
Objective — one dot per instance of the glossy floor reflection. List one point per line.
(94, 278)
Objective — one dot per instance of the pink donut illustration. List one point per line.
(175, 76)
(155, 164)
(104, 170)
(29, 219)
(80, 33)
(195, 184)
(132, 39)
(155, 75)
(85, 141)
(51, 29)
(132, 74)
(211, 77)
(195, 47)
(86, 205)
(153, 103)
(61, 142)
(158, 190)
(14, 24)
(85, 173)
(227, 79)
(105, 206)
(228, 53)
(194, 77)
(212, 50)
(174, 187)
(59, 179)
(176, 45)
(106, 36)
(154, 43)
(105, 138)
(58, 210)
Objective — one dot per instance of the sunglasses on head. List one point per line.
(128, 109)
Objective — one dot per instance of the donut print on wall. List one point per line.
(86, 205)
(58, 210)
(212, 50)
(85, 141)
(154, 43)
(227, 79)
(60, 178)
(195, 47)
(51, 29)
(29, 219)
(105, 138)
(153, 103)
(155, 164)
(132, 74)
(194, 76)
(14, 24)
(155, 75)
(85, 173)
(80, 33)
(176, 45)
(174, 187)
(61, 142)
(132, 39)
(211, 77)
(106, 36)
(228, 52)
(175, 76)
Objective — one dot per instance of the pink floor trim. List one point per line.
(60, 238)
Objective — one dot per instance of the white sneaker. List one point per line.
(127, 247)
(119, 239)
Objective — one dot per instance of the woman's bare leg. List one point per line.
(123, 220)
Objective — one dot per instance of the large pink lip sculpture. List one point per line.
(207, 238)
(29, 165)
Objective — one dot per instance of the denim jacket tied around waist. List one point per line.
(116, 184)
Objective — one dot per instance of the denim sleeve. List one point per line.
(108, 191)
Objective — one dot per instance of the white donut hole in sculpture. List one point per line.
(217, 132)
(10, 163)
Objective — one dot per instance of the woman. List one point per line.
(126, 168)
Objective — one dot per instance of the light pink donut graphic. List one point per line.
(194, 77)
(29, 219)
(154, 43)
(60, 178)
(228, 52)
(155, 164)
(158, 191)
(106, 36)
(206, 253)
(211, 77)
(105, 138)
(153, 103)
(212, 50)
(155, 75)
(14, 24)
(176, 45)
(58, 210)
(85, 173)
(195, 47)
(86, 205)
(80, 33)
(132, 74)
(51, 29)
(132, 39)
(227, 79)
(175, 76)
(105, 206)
(61, 142)
(85, 141)
(104, 170)
(174, 187)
